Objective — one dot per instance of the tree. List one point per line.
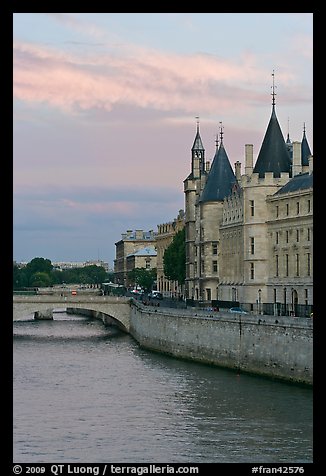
(142, 277)
(40, 279)
(38, 265)
(174, 259)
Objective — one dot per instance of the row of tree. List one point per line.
(41, 273)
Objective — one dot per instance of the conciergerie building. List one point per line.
(249, 236)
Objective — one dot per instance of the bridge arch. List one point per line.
(111, 310)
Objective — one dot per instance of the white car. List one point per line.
(155, 295)
(237, 310)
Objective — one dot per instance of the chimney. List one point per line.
(139, 234)
(237, 170)
(296, 160)
(311, 163)
(249, 157)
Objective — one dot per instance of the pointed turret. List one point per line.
(305, 149)
(289, 144)
(274, 155)
(197, 155)
(220, 179)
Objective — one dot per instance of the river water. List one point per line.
(86, 393)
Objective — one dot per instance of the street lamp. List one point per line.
(259, 301)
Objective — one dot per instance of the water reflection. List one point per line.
(85, 392)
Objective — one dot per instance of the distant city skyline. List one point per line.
(105, 110)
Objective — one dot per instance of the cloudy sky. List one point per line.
(105, 108)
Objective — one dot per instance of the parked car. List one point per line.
(137, 292)
(155, 295)
(237, 310)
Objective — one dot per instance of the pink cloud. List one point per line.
(143, 78)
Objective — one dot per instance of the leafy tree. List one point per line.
(142, 277)
(94, 274)
(20, 279)
(40, 279)
(38, 265)
(174, 259)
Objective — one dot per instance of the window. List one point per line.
(276, 237)
(252, 245)
(308, 265)
(306, 297)
(214, 266)
(274, 292)
(286, 265)
(214, 248)
(287, 236)
(252, 271)
(297, 261)
(276, 265)
(298, 235)
(276, 211)
(148, 264)
(298, 208)
(252, 208)
(308, 234)
(309, 206)
(287, 208)
(208, 294)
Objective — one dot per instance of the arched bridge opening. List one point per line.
(111, 310)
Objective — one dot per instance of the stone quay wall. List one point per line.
(277, 347)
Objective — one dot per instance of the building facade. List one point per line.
(249, 236)
(164, 237)
(131, 242)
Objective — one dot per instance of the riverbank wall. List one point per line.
(277, 347)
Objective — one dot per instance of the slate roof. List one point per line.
(147, 251)
(273, 156)
(220, 179)
(198, 145)
(305, 150)
(298, 182)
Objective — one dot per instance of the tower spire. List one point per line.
(197, 122)
(216, 141)
(221, 132)
(273, 94)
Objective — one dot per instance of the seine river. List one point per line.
(86, 393)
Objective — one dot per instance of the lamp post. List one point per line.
(259, 302)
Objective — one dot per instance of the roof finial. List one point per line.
(304, 127)
(197, 121)
(221, 132)
(273, 90)
(288, 136)
(216, 140)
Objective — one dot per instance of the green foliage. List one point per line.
(40, 279)
(174, 259)
(40, 273)
(142, 277)
(40, 265)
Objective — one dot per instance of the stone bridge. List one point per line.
(112, 310)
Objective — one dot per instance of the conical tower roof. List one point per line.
(305, 149)
(273, 156)
(198, 145)
(220, 179)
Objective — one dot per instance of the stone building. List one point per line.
(164, 237)
(249, 236)
(144, 258)
(130, 242)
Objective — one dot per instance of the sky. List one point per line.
(105, 107)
